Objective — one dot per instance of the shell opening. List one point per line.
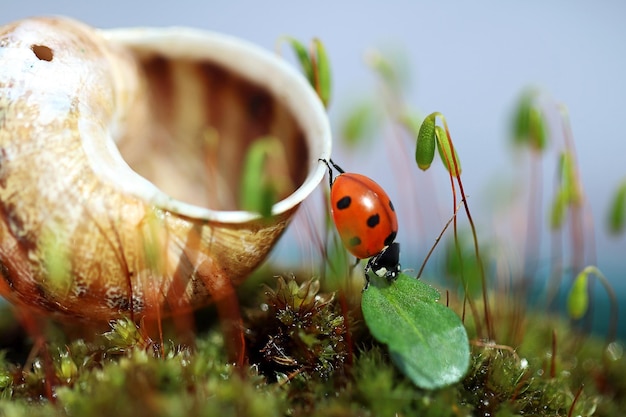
(211, 97)
(203, 118)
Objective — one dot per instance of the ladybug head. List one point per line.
(386, 263)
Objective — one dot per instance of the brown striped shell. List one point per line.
(121, 155)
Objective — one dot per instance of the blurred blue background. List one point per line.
(469, 60)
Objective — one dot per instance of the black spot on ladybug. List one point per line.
(373, 220)
(344, 203)
(355, 241)
(391, 206)
(389, 240)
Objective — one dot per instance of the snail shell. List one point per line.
(121, 153)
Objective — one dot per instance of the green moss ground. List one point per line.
(301, 367)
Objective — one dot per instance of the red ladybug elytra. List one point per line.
(366, 221)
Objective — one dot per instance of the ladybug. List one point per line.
(366, 221)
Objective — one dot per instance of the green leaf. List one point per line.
(617, 210)
(361, 123)
(425, 146)
(568, 192)
(315, 65)
(323, 79)
(427, 341)
(521, 120)
(558, 210)
(578, 298)
(568, 176)
(302, 53)
(537, 130)
(445, 152)
(528, 123)
(258, 191)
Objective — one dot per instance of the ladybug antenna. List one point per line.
(330, 169)
(337, 167)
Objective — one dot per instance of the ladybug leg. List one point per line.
(367, 269)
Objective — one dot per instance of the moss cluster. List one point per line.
(301, 365)
(297, 332)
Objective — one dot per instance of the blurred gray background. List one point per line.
(469, 60)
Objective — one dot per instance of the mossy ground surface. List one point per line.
(301, 365)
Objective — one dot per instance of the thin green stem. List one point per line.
(432, 249)
(490, 329)
(576, 397)
(612, 332)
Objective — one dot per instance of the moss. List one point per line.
(297, 332)
(301, 365)
(98, 379)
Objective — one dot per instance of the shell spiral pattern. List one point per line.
(120, 157)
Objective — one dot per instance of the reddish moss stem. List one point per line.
(486, 308)
(576, 397)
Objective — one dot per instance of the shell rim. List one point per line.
(291, 86)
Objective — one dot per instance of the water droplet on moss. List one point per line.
(615, 351)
